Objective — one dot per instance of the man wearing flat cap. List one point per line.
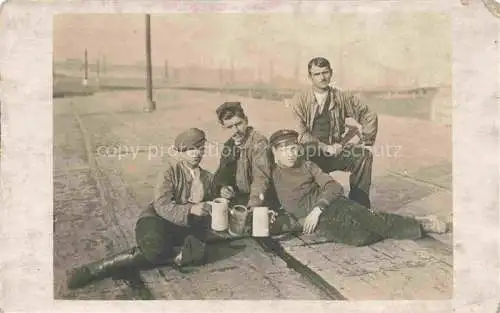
(244, 169)
(321, 114)
(174, 227)
(312, 200)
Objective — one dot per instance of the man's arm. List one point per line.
(164, 200)
(261, 172)
(225, 175)
(299, 110)
(331, 189)
(364, 116)
(208, 185)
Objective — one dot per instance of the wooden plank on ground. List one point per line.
(239, 270)
(389, 270)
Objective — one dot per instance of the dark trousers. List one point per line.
(354, 159)
(158, 238)
(348, 222)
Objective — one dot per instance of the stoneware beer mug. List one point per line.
(237, 220)
(220, 212)
(260, 221)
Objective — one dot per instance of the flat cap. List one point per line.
(229, 105)
(192, 138)
(283, 136)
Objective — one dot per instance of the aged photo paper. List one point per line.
(337, 155)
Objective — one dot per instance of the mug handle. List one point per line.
(211, 205)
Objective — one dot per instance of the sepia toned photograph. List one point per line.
(253, 156)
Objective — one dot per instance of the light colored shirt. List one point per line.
(197, 192)
(320, 100)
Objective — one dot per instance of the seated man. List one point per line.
(312, 200)
(244, 173)
(321, 114)
(173, 229)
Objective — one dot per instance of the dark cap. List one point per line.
(228, 106)
(283, 136)
(192, 138)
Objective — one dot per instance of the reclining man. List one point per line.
(174, 227)
(244, 173)
(312, 200)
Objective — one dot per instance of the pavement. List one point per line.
(107, 153)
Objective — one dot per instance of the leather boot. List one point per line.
(127, 260)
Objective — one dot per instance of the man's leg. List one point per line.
(164, 242)
(358, 161)
(343, 229)
(354, 218)
(155, 238)
(354, 159)
(192, 250)
(326, 163)
(331, 226)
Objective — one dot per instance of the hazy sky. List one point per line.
(417, 43)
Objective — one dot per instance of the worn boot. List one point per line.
(124, 261)
(432, 224)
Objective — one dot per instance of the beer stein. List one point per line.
(260, 221)
(220, 214)
(237, 220)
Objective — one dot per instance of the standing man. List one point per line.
(244, 173)
(174, 227)
(311, 200)
(321, 113)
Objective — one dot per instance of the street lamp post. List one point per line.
(151, 106)
(85, 69)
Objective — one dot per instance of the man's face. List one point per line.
(237, 126)
(286, 155)
(193, 157)
(320, 76)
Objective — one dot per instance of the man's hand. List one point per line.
(273, 215)
(333, 150)
(201, 209)
(312, 220)
(227, 192)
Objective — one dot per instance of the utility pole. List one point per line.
(221, 75)
(104, 65)
(271, 71)
(86, 69)
(166, 71)
(97, 70)
(232, 71)
(259, 73)
(151, 106)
